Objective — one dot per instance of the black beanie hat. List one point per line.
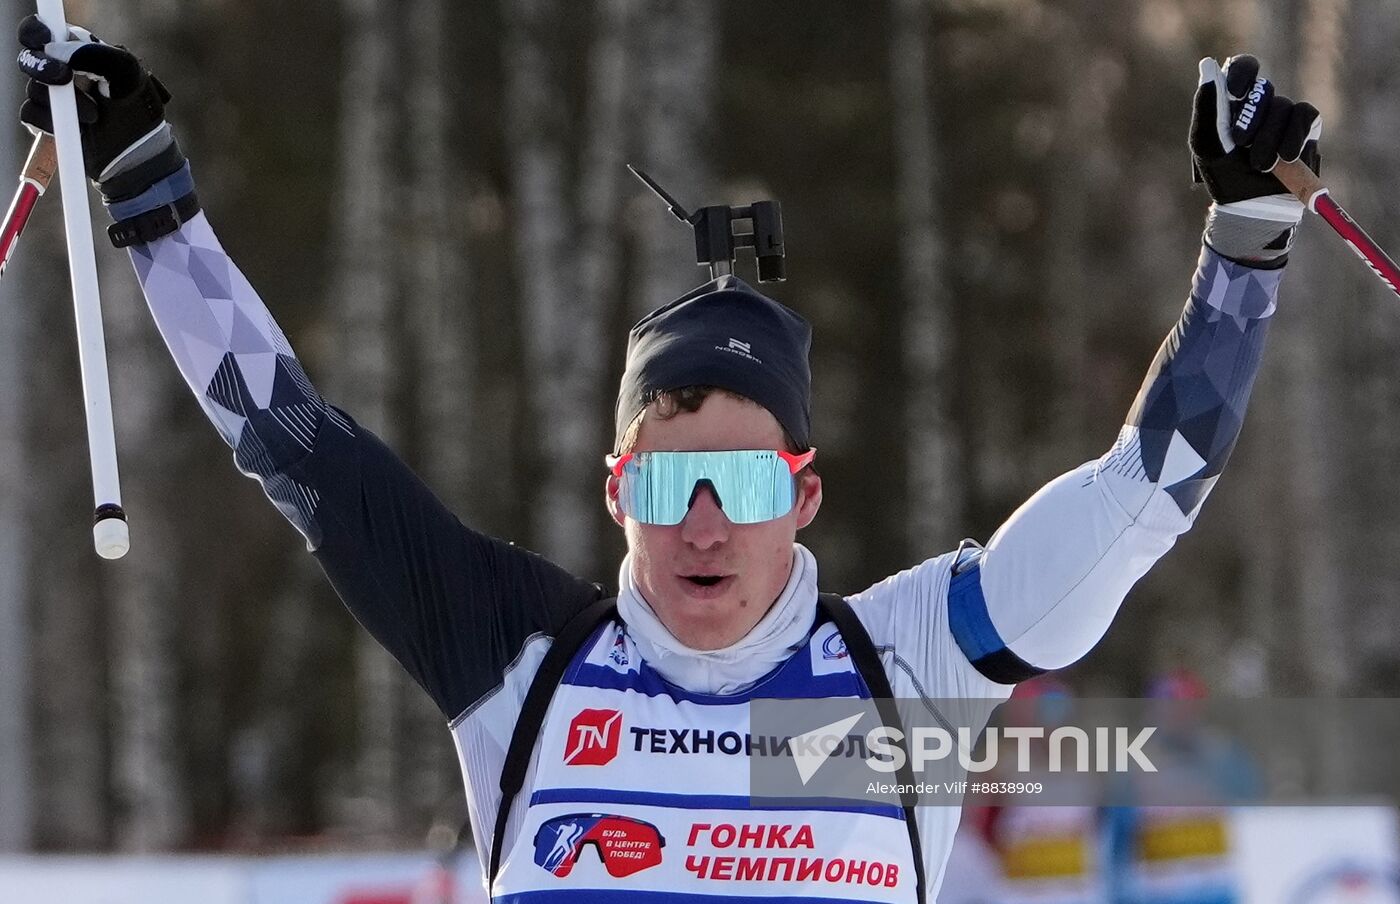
(727, 335)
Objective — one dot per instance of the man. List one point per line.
(644, 749)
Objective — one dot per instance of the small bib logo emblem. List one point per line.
(618, 654)
(593, 737)
(834, 647)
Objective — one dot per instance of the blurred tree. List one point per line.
(17, 341)
(149, 781)
(438, 276)
(934, 496)
(68, 616)
(1295, 566)
(536, 116)
(365, 374)
(152, 805)
(443, 351)
(1362, 320)
(677, 80)
(565, 252)
(1081, 183)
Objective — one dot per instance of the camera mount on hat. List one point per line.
(716, 242)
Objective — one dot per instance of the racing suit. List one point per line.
(469, 616)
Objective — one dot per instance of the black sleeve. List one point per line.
(454, 606)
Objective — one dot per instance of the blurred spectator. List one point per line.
(1047, 854)
(1159, 854)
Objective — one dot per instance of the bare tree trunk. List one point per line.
(148, 780)
(1367, 337)
(1314, 388)
(16, 341)
(259, 753)
(439, 273)
(69, 747)
(72, 809)
(362, 301)
(1067, 262)
(934, 496)
(564, 289)
(611, 72)
(535, 125)
(677, 74)
(1298, 566)
(1269, 587)
(439, 302)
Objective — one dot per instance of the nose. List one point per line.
(705, 525)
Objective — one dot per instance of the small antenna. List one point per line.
(671, 203)
(716, 242)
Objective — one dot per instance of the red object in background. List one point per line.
(381, 896)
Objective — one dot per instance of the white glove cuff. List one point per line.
(1283, 209)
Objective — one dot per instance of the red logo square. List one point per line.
(593, 737)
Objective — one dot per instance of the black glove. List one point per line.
(127, 145)
(1240, 128)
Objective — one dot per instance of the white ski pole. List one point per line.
(109, 530)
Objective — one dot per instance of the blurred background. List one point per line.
(989, 222)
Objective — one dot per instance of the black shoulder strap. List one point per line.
(527, 726)
(867, 662)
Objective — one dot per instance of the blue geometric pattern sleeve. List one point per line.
(454, 606)
(1053, 576)
(1184, 423)
(238, 362)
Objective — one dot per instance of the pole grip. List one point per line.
(33, 180)
(42, 163)
(1301, 181)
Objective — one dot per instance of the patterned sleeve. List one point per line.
(1053, 576)
(454, 606)
(239, 364)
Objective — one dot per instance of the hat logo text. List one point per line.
(740, 348)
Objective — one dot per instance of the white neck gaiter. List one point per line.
(733, 669)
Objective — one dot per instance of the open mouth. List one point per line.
(706, 586)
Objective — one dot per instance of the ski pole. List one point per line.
(33, 182)
(1308, 188)
(109, 530)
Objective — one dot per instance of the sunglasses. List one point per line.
(751, 485)
(625, 845)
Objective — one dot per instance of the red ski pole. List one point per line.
(33, 182)
(1308, 188)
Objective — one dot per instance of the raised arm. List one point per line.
(455, 607)
(1052, 578)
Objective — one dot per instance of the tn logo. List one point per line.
(740, 346)
(593, 737)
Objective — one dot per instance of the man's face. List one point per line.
(753, 561)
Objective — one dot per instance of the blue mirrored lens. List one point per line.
(751, 485)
